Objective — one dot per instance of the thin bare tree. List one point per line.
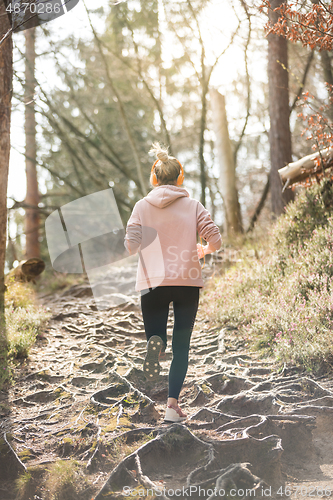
(32, 219)
(227, 165)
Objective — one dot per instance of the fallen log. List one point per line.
(302, 169)
(26, 271)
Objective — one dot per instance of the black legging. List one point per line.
(155, 310)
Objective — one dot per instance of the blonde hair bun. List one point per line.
(166, 170)
(161, 154)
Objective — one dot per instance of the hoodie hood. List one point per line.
(162, 196)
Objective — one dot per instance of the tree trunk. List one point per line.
(227, 165)
(326, 63)
(26, 271)
(32, 197)
(309, 166)
(203, 182)
(279, 137)
(6, 62)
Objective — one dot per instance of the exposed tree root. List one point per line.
(84, 397)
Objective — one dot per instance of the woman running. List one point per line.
(163, 229)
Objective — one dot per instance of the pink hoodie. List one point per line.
(163, 229)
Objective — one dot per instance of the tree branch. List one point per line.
(120, 106)
(305, 74)
(248, 83)
(259, 206)
(151, 93)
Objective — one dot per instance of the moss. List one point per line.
(61, 393)
(92, 409)
(25, 455)
(63, 431)
(206, 389)
(178, 437)
(144, 403)
(131, 400)
(67, 440)
(110, 427)
(94, 445)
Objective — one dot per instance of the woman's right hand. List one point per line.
(200, 249)
(204, 250)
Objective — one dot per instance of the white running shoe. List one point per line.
(174, 414)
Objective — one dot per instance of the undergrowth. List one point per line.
(62, 480)
(282, 301)
(24, 321)
(54, 282)
(68, 478)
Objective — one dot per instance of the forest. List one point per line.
(241, 94)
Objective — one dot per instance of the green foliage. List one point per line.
(63, 480)
(19, 294)
(103, 102)
(24, 321)
(28, 483)
(283, 302)
(23, 326)
(311, 209)
(23, 485)
(120, 93)
(5, 371)
(52, 281)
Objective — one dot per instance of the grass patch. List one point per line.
(23, 326)
(52, 281)
(24, 486)
(282, 302)
(19, 294)
(118, 448)
(24, 321)
(64, 481)
(28, 483)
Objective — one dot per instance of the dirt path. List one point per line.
(82, 396)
